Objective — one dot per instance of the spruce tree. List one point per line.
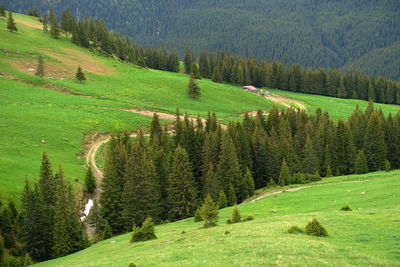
(182, 190)
(360, 166)
(66, 22)
(387, 166)
(141, 195)
(155, 130)
(34, 12)
(194, 71)
(236, 217)
(173, 61)
(216, 75)
(187, 61)
(107, 233)
(45, 21)
(209, 212)
(344, 151)
(211, 184)
(2, 11)
(249, 182)
(222, 200)
(27, 260)
(140, 62)
(284, 174)
(80, 76)
(310, 158)
(7, 227)
(11, 26)
(374, 144)
(54, 29)
(193, 89)
(40, 68)
(90, 181)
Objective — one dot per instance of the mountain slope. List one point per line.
(366, 236)
(320, 33)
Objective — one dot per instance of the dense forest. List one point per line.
(318, 33)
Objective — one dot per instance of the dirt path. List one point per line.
(283, 101)
(276, 192)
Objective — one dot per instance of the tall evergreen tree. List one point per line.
(11, 26)
(209, 212)
(193, 89)
(2, 11)
(310, 158)
(374, 144)
(173, 61)
(66, 21)
(212, 186)
(90, 180)
(45, 21)
(187, 61)
(194, 71)
(182, 190)
(360, 166)
(284, 175)
(141, 195)
(344, 150)
(54, 28)
(40, 68)
(216, 75)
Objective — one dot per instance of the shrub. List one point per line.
(227, 232)
(197, 216)
(209, 212)
(132, 264)
(144, 233)
(229, 221)
(295, 230)
(236, 215)
(248, 218)
(346, 208)
(315, 228)
(183, 232)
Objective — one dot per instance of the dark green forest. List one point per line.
(313, 33)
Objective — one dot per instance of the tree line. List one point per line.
(225, 67)
(318, 33)
(167, 176)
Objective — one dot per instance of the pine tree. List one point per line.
(187, 60)
(236, 215)
(360, 166)
(45, 21)
(387, 166)
(284, 174)
(209, 212)
(11, 26)
(40, 68)
(173, 61)
(195, 71)
(66, 21)
(193, 89)
(90, 181)
(249, 182)
(344, 151)
(54, 29)
(107, 233)
(80, 76)
(231, 195)
(27, 260)
(216, 75)
(35, 14)
(222, 200)
(182, 190)
(141, 195)
(140, 62)
(144, 233)
(374, 144)
(310, 158)
(211, 184)
(2, 11)
(7, 227)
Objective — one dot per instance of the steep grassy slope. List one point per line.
(42, 115)
(366, 236)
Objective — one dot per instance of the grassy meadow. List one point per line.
(367, 236)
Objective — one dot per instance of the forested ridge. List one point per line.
(318, 33)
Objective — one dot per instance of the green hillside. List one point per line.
(366, 236)
(320, 33)
(42, 115)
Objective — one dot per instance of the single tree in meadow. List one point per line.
(193, 89)
(40, 68)
(236, 217)
(80, 76)
(209, 212)
(11, 26)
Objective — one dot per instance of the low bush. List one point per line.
(229, 221)
(227, 232)
(295, 230)
(248, 218)
(144, 233)
(315, 228)
(132, 264)
(346, 208)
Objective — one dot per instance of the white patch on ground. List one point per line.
(88, 206)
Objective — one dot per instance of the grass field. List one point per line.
(367, 236)
(338, 108)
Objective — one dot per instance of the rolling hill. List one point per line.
(61, 116)
(366, 236)
(320, 33)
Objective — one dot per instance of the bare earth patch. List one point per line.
(29, 24)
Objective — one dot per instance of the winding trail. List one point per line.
(283, 100)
